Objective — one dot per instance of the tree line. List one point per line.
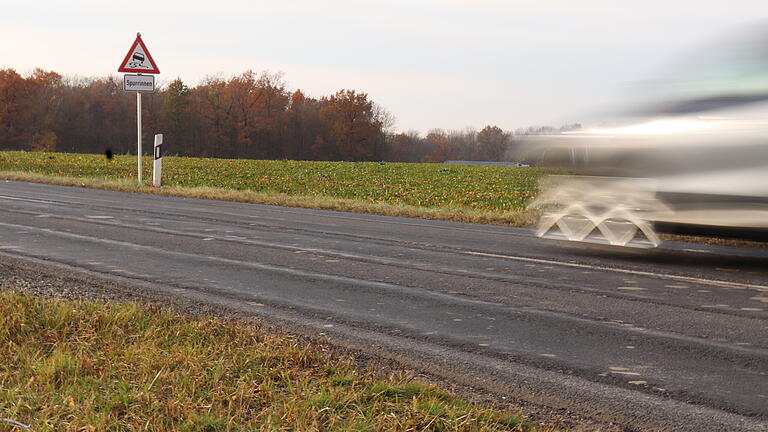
(245, 116)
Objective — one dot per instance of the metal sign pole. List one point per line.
(138, 129)
(140, 61)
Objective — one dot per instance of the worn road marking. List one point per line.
(24, 199)
(691, 279)
(530, 261)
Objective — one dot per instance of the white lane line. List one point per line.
(259, 266)
(389, 288)
(420, 224)
(300, 249)
(23, 199)
(691, 279)
(381, 260)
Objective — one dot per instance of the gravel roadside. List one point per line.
(39, 278)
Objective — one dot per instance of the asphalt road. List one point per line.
(673, 338)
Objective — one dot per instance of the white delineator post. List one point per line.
(138, 131)
(157, 168)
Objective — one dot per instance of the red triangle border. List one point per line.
(123, 65)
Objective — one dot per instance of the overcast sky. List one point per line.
(432, 63)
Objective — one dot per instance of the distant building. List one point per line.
(458, 162)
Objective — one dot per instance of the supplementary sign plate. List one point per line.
(139, 83)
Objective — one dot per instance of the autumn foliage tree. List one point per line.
(301, 128)
(491, 143)
(15, 110)
(251, 115)
(44, 90)
(352, 125)
(242, 115)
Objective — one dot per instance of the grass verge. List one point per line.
(87, 366)
(481, 194)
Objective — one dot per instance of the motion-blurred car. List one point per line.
(690, 156)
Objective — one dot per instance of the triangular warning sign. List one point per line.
(138, 59)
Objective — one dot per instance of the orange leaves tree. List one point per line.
(353, 125)
(45, 95)
(442, 146)
(15, 115)
(243, 114)
(302, 128)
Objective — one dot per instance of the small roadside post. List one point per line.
(139, 61)
(157, 167)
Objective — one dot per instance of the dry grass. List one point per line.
(86, 366)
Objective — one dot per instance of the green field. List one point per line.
(463, 188)
(86, 366)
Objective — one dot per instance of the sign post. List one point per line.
(138, 60)
(138, 132)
